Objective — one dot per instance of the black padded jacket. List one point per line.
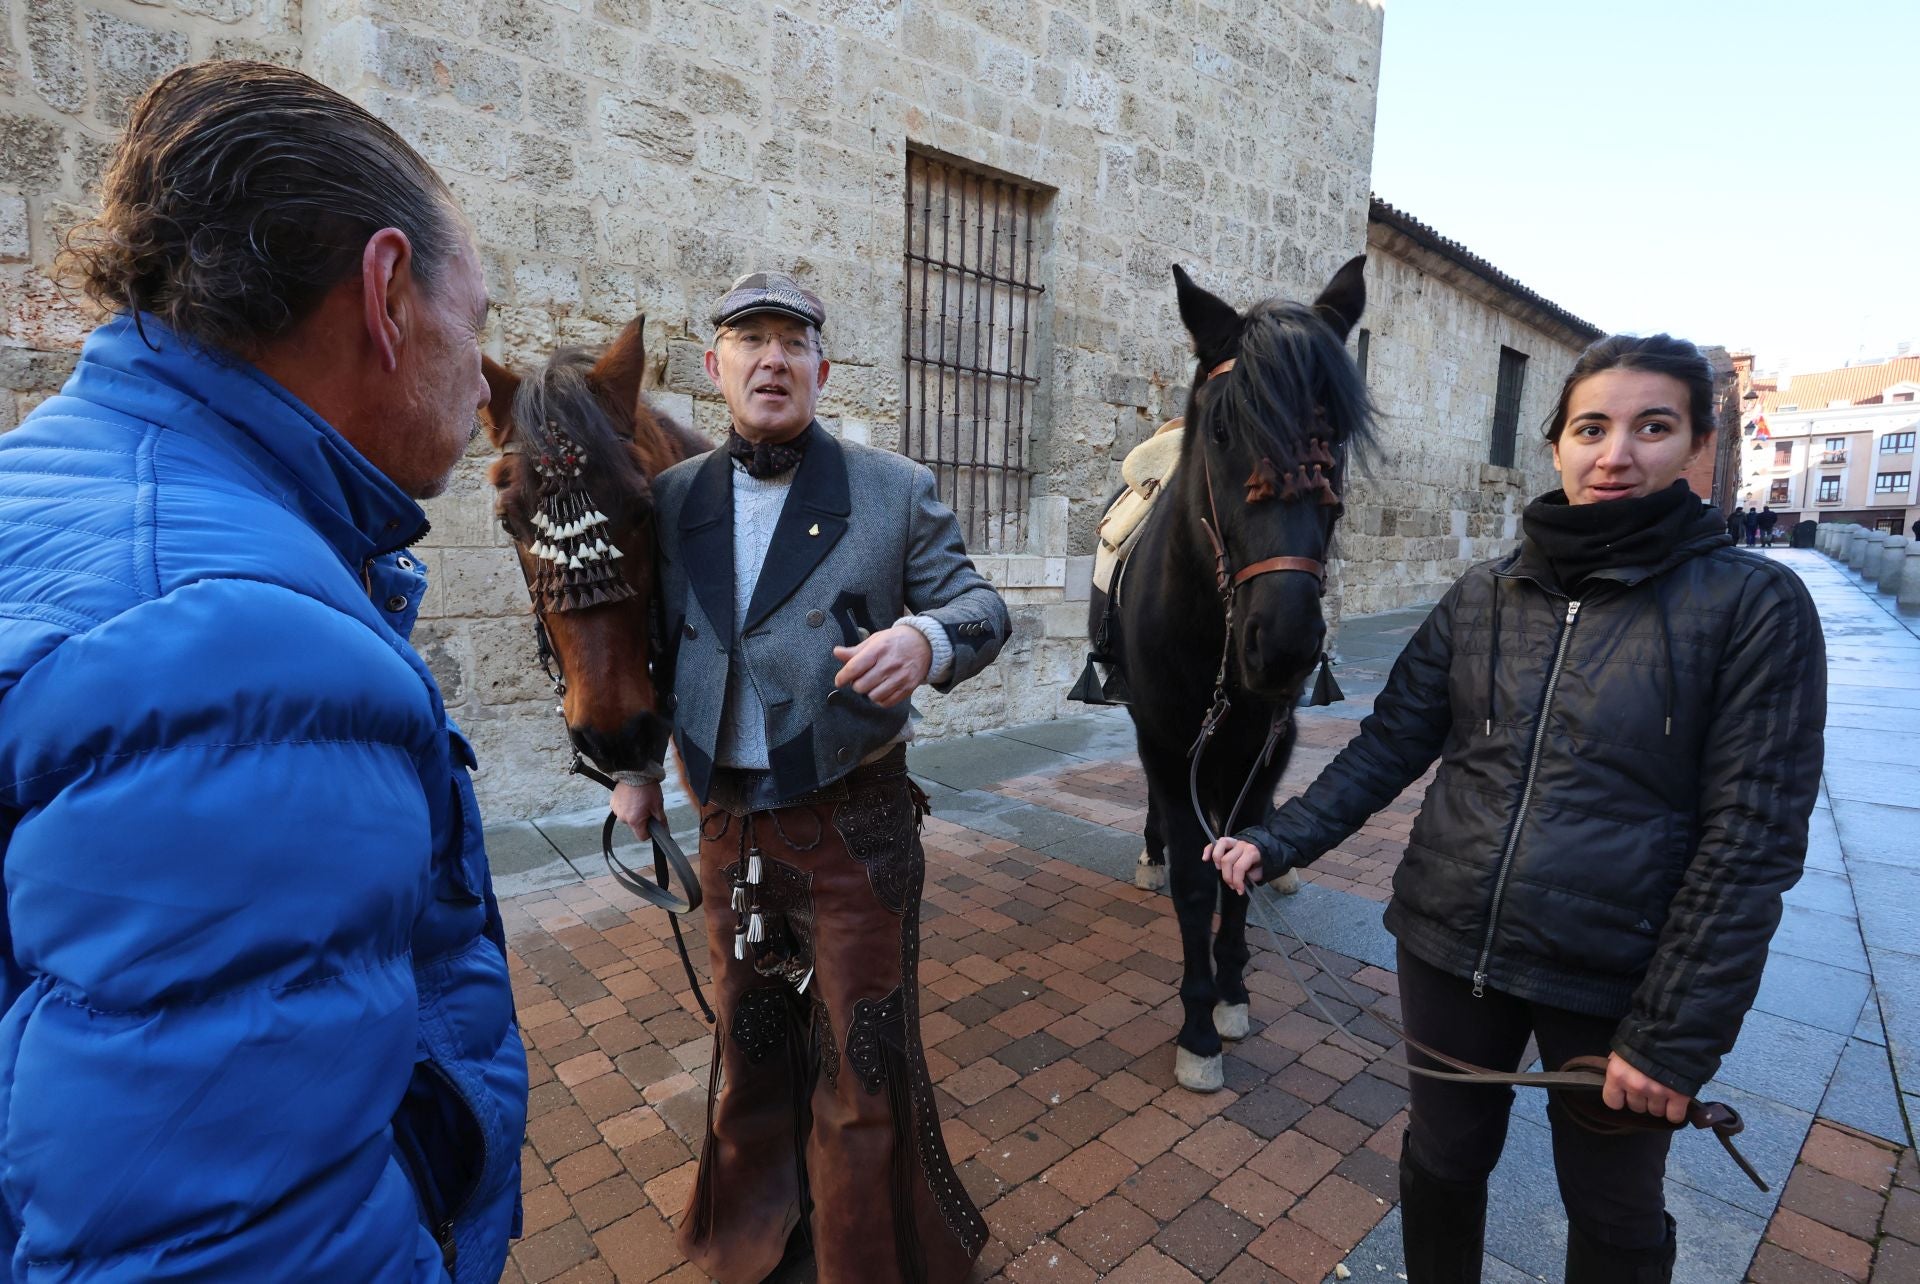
(1623, 794)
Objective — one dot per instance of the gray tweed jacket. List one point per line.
(834, 572)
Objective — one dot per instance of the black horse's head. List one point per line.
(1277, 408)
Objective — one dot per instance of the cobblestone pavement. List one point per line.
(1050, 1008)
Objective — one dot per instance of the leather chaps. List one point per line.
(819, 1107)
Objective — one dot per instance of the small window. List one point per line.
(1360, 353)
(1835, 451)
(1836, 443)
(1782, 453)
(1901, 396)
(1829, 490)
(1897, 443)
(1778, 493)
(1506, 406)
(1885, 483)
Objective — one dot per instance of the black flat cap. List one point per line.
(770, 292)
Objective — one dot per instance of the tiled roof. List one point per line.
(1428, 238)
(1853, 385)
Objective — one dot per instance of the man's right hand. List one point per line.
(639, 804)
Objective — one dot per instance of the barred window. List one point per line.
(1777, 494)
(1506, 406)
(1829, 490)
(1782, 454)
(969, 342)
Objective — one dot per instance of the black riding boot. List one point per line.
(1443, 1226)
(1590, 1261)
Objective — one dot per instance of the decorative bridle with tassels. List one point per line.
(576, 569)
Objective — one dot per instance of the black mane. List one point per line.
(1292, 375)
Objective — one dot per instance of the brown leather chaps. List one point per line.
(819, 1107)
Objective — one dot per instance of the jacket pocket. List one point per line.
(467, 852)
(442, 1147)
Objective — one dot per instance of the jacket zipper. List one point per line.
(443, 1230)
(1526, 796)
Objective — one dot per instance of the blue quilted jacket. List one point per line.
(257, 1023)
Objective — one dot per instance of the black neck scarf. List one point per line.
(764, 459)
(1579, 539)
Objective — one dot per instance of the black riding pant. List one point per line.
(1612, 1186)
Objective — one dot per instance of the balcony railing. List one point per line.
(1827, 499)
(1833, 456)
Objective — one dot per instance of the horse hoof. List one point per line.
(1151, 876)
(1197, 1073)
(1288, 883)
(1230, 1020)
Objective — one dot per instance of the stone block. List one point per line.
(628, 13)
(539, 282)
(28, 370)
(557, 102)
(635, 122)
(29, 150)
(522, 27)
(481, 582)
(53, 54)
(126, 58)
(15, 243)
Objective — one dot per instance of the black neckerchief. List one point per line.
(1579, 539)
(764, 459)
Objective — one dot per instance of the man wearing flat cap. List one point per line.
(810, 586)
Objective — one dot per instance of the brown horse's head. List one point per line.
(579, 447)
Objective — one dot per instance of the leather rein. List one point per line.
(1580, 1074)
(669, 861)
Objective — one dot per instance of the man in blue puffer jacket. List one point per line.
(256, 1018)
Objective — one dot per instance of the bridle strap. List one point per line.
(1267, 566)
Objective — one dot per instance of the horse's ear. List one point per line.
(502, 384)
(619, 372)
(1345, 297)
(1212, 322)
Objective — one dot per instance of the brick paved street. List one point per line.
(1048, 986)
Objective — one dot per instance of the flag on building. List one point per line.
(1760, 432)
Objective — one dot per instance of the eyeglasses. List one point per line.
(754, 342)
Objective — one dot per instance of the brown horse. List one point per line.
(579, 447)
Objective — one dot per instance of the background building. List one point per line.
(1838, 446)
(988, 195)
(1465, 364)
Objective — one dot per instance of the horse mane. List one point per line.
(561, 393)
(1292, 375)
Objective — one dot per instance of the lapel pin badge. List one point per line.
(814, 529)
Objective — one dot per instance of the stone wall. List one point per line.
(626, 156)
(1429, 505)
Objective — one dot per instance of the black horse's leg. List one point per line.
(1230, 956)
(1230, 952)
(1196, 892)
(1150, 872)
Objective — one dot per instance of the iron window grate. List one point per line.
(968, 342)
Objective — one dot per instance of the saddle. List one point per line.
(1147, 470)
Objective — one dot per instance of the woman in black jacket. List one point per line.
(1628, 714)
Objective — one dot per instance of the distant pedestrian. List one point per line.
(1768, 520)
(1916, 528)
(1737, 524)
(1692, 709)
(1753, 527)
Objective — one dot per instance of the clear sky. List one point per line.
(1745, 174)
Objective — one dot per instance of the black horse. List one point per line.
(1221, 597)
